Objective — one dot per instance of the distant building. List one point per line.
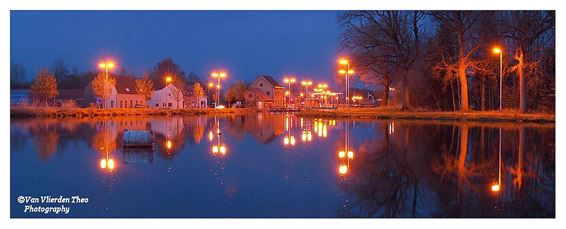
(264, 92)
(165, 98)
(122, 95)
(75, 96)
(192, 101)
(20, 97)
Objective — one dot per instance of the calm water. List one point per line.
(265, 165)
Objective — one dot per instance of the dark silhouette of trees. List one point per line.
(383, 42)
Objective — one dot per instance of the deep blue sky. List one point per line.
(245, 43)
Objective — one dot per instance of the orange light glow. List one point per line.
(210, 85)
(214, 74)
(341, 154)
(210, 135)
(111, 163)
(341, 71)
(222, 74)
(169, 144)
(497, 50)
(495, 187)
(215, 149)
(102, 65)
(110, 64)
(343, 61)
(168, 79)
(223, 150)
(103, 163)
(350, 154)
(343, 169)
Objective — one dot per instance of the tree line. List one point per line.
(443, 60)
(48, 81)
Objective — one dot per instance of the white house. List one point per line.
(166, 97)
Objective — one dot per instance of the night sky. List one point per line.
(244, 43)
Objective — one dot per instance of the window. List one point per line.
(268, 93)
(131, 103)
(121, 104)
(261, 85)
(157, 105)
(111, 104)
(170, 104)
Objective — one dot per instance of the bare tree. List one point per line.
(528, 33)
(389, 37)
(465, 25)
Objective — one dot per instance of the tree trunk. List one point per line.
(522, 83)
(385, 98)
(463, 86)
(405, 89)
(482, 93)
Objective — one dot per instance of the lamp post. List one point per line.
(498, 50)
(106, 65)
(306, 84)
(218, 76)
(168, 80)
(289, 81)
(347, 72)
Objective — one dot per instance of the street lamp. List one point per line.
(347, 72)
(289, 81)
(498, 50)
(168, 80)
(306, 84)
(218, 76)
(106, 66)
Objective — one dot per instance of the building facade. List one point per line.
(265, 92)
(166, 97)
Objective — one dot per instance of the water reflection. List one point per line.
(355, 168)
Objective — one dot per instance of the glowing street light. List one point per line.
(218, 76)
(306, 84)
(347, 72)
(497, 50)
(106, 66)
(289, 81)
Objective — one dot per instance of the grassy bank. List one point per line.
(390, 113)
(55, 112)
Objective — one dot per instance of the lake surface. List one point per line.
(278, 165)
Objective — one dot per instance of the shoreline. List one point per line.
(63, 113)
(360, 113)
(384, 114)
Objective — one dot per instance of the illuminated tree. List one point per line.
(102, 87)
(144, 86)
(44, 86)
(198, 90)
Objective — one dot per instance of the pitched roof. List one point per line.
(270, 79)
(71, 94)
(260, 94)
(125, 85)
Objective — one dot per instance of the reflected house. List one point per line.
(266, 130)
(264, 93)
(195, 125)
